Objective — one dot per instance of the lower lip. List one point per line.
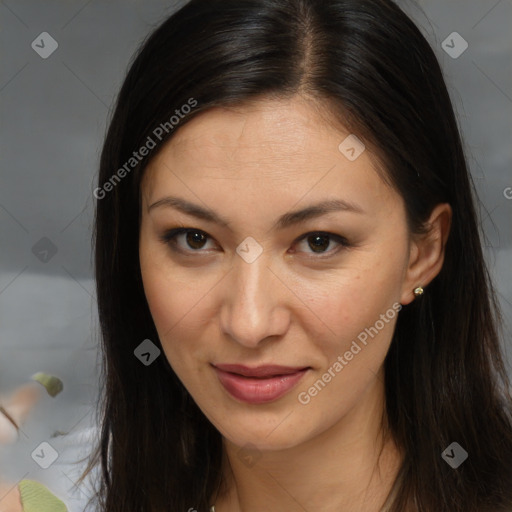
(258, 391)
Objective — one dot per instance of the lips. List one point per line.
(271, 370)
(261, 384)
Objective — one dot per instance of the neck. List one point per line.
(349, 467)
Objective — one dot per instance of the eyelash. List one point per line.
(169, 238)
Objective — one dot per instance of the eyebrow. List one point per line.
(286, 220)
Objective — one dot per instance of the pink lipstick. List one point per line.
(258, 385)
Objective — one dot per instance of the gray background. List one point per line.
(53, 119)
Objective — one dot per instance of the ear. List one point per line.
(427, 251)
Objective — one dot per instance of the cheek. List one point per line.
(171, 303)
(353, 300)
(168, 296)
(358, 305)
(178, 307)
(359, 321)
(175, 319)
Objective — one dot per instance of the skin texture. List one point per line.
(290, 306)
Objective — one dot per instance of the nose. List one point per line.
(254, 303)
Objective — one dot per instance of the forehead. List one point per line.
(277, 148)
(255, 133)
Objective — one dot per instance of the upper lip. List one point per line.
(270, 370)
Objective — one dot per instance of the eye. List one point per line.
(195, 239)
(320, 240)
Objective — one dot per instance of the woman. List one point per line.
(295, 309)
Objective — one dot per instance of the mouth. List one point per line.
(261, 384)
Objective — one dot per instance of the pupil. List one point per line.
(194, 237)
(320, 245)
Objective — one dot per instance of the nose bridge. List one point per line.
(252, 302)
(253, 281)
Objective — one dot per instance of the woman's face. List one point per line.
(251, 289)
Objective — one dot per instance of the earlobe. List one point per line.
(427, 254)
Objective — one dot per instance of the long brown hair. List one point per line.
(445, 378)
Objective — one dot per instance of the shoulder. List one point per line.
(29, 496)
(36, 497)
